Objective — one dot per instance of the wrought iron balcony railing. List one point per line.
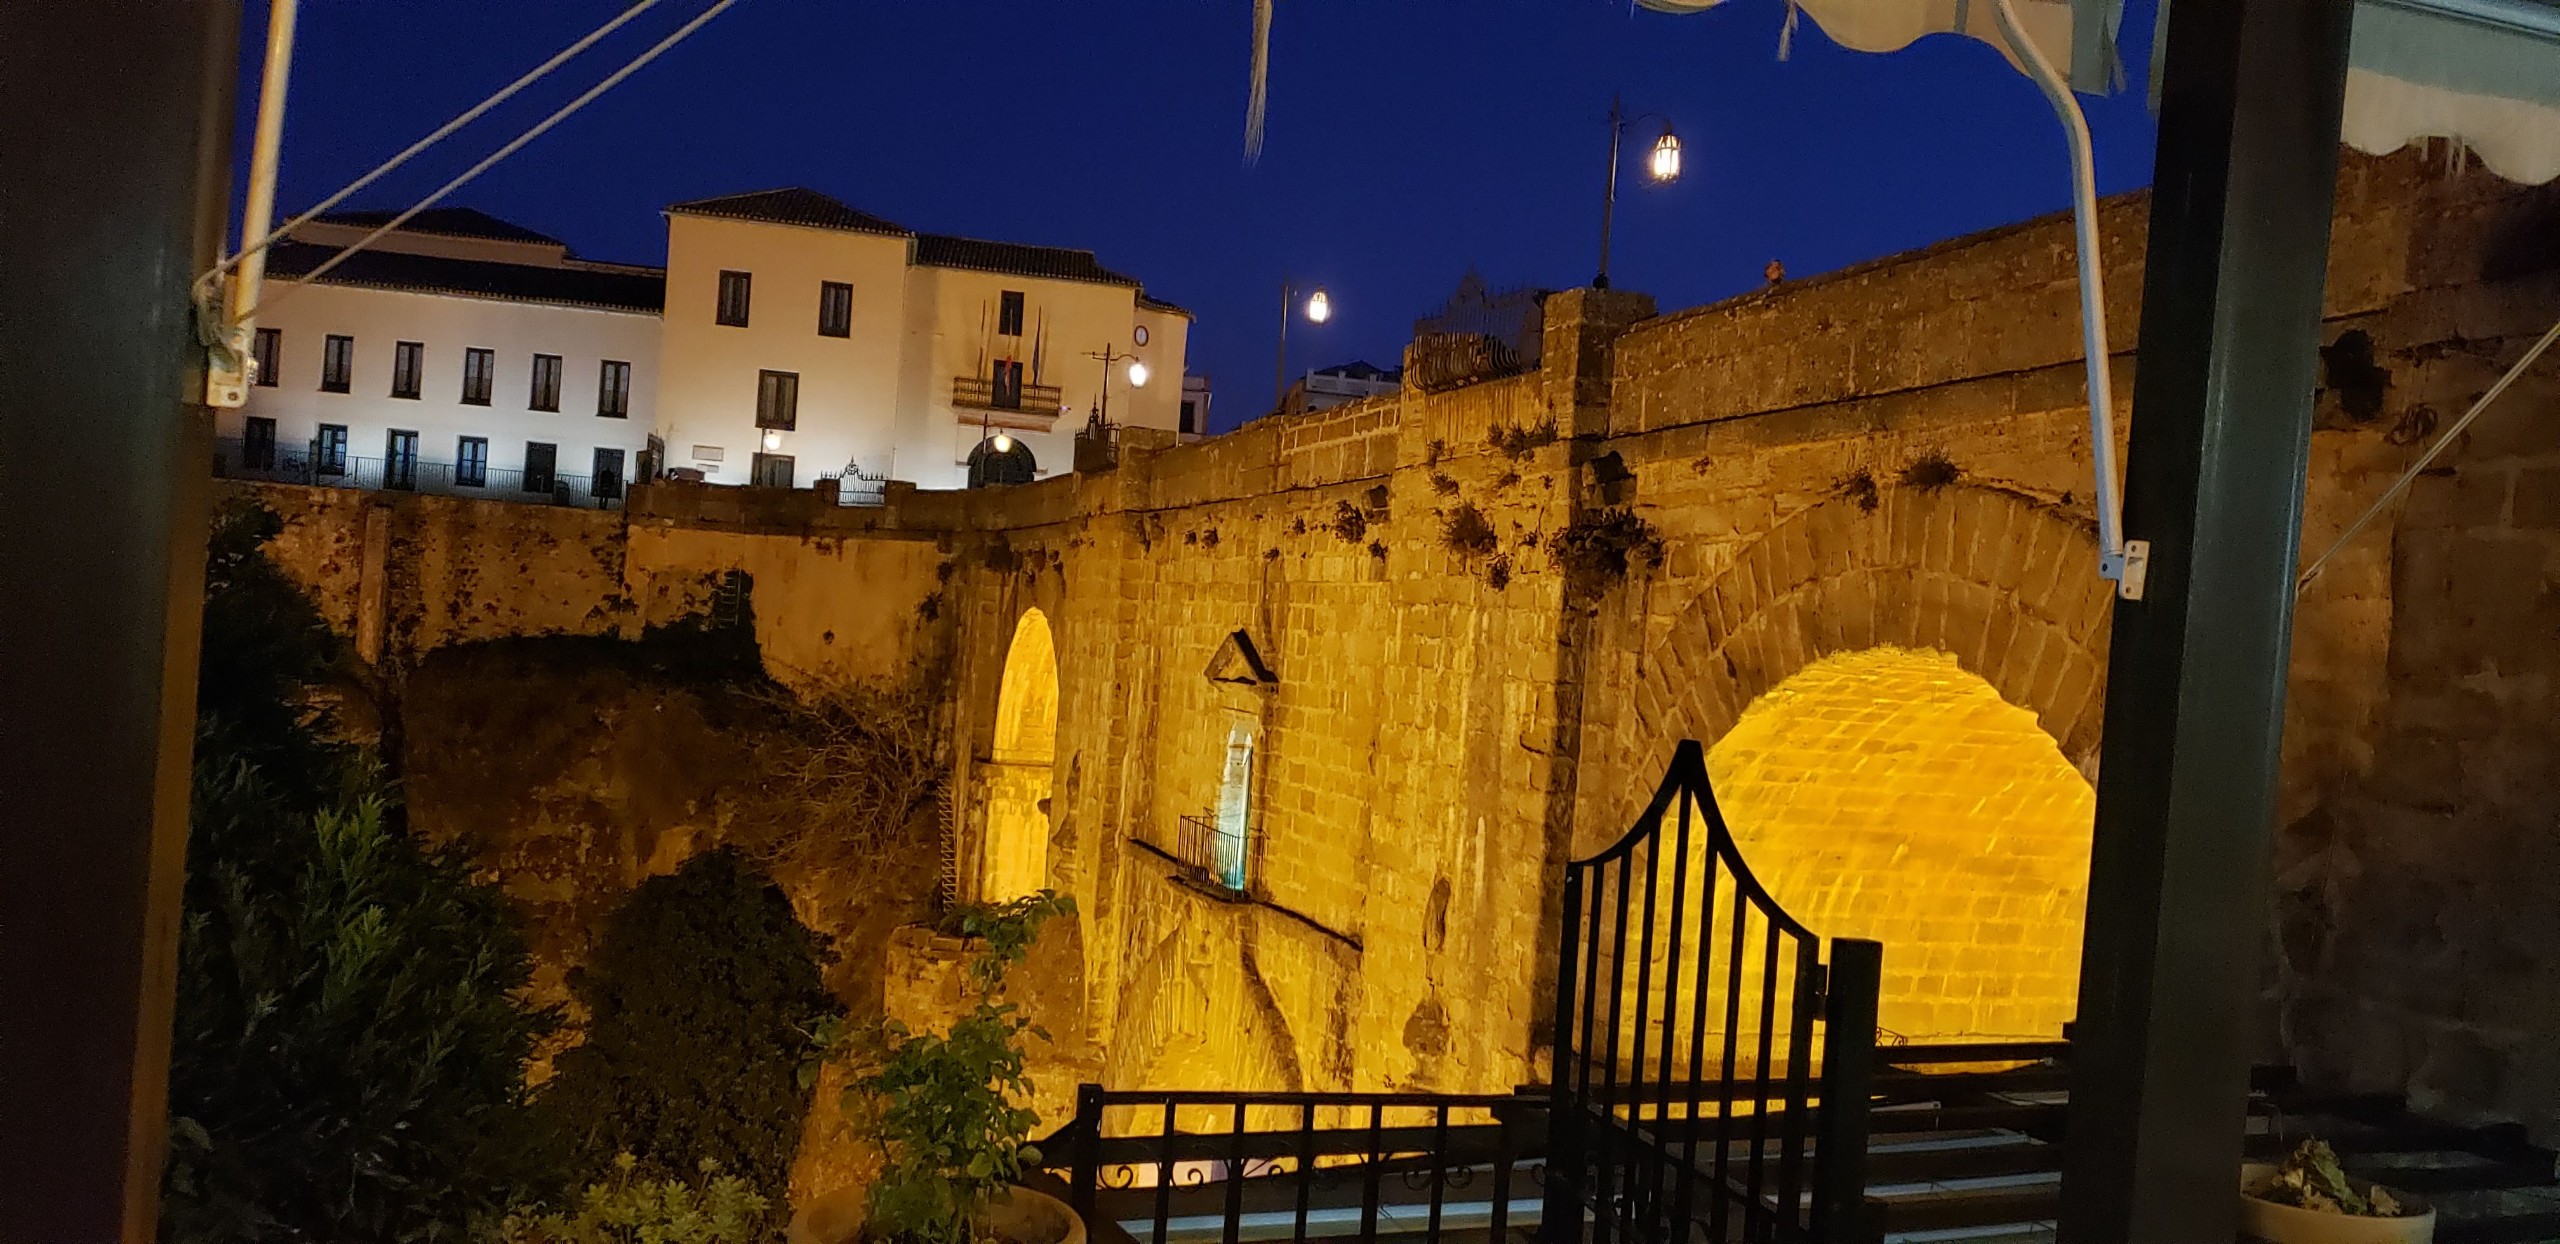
(1213, 854)
(981, 393)
(235, 459)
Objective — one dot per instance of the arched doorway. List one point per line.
(1002, 460)
(1889, 793)
(1022, 766)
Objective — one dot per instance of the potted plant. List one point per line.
(944, 1109)
(2308, 1199)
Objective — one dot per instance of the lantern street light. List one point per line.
(1662, 165)
(1319, 309)
(1137, 373)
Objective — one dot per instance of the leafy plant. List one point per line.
(2310, 1178)
(712, 1209)
(943, 1107)
(1597, 549)
(1517, 443)
(1467, 534)
(347, 1058)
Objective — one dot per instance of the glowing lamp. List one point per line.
(772, 438)
(1003, 443)
(1319, 307)
(1665, 162)
(1137, 374)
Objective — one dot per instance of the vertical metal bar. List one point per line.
(1614, 1132)
(1799, 1057)
(1504, 1154)
(1564, 1104)
(1709, 874)
(1848, 1081)
(116, 117)
(1369, 1180)
(1088, 1156)
(1643, 1143)
(1164, 1172)
(1439, 1168)
(1722, 1188)
(1306, 1166)
(1760, 1075)
(1670, 1030)
(2244, 181)
(1235, 1176)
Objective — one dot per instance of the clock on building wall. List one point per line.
(1141, 334)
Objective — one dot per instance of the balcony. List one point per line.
(1029, 408)
(298, 466)
(1212, 858)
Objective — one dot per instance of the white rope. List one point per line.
(2443, 442)
(544, 126)
(536, 74)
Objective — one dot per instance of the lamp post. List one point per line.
(1319, 309)
(1662, 165)
(1108, 355)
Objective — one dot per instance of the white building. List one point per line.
(460, 354)
(804, 338)
(1193, 417)
(1341, 383)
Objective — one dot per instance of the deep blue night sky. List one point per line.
(1409, 139)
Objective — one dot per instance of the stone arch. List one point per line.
(1020, 772)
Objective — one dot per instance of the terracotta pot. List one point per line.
(1023, 1216)
(2289, 1224)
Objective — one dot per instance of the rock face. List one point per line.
(1480, 618)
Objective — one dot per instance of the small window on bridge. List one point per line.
(1235, 809)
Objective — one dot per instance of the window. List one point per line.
(772, 471)
(1190, 416)
(607, 481)
(541, 463)
(546, 382)
(264, 353)
(1004, 387)
(258, 444)
(613, 390)
(733, 299)
(329, 450)
(1009, 314)
(400, 460)
(479, 374)
(778, 400)
(407, 359)
(471, 462)
(337, 364)
(835, 309)
(1235, 809)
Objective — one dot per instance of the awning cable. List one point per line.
(2442, 443)
(536, 74)
(538, 130)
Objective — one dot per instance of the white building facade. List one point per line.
(460, 354)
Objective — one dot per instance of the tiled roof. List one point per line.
(1012, 258)
(451, 222)
(643, 290)
(1152, 303)
(796, 205)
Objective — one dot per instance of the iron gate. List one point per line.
(1686, 1106)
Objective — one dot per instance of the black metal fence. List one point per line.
(1174, 1167)
(1689, 1010)
(235, 460)
(1482, 334)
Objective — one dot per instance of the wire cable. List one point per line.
(539, 129)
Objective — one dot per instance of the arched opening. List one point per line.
(1235, 808)
(1012, 464)
(1888, 793)
(1022, 766)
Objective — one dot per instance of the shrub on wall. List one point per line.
(347, 1057)
(704, 993)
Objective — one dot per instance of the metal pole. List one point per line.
(2242, 193)
(1280, 365)
(258, 212)
(1609, 209)
(116, 115)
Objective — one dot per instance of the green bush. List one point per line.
(628, 1209)
(703, 994)
(347, 1059)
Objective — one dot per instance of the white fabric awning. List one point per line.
(2483, 72)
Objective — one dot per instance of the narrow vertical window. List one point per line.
(337, 364)
(471, 462)
(329, 450)
(1235, 809)
(258, 444)
(607, 480)
(778, 400)
(408, 359)
(479, 375)
(835, 309)
(546, 382)
(400, 460)
(613, 390)
(267, 353)
(1009, 314)
(1190, 417)
(733, 299)
(541, 464)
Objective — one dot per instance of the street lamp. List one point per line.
(1108, 355)
(1662, 165)
(1319, 309)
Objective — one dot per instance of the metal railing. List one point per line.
(859, 487)
(1210, 853)
(232, 460)
(1160, 1166)
(1482, 334)
(979, 393)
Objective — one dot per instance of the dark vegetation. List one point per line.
(1518, 443)
(1597, 549)
(1467, 534)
